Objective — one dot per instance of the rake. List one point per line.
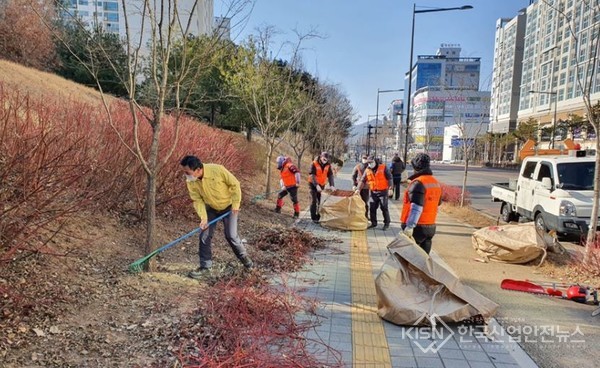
(138, 265)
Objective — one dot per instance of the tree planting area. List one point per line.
(72, 220)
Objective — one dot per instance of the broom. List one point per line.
(138, 265)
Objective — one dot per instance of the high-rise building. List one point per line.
(110, 16)
(104, 14)
(446, 68)
(559, 42)
(446, 94)
(506, 78)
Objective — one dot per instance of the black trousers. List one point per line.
(315, 202)
(293, 191)
(397, 187)
(379, 198)
(423, 234)
(364, 195)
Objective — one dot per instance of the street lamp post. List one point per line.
(377, 112)
(410, 65)
(552, 93)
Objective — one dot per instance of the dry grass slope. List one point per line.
(40, 83)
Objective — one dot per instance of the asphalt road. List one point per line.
(478, 183)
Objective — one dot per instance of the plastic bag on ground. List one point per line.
(512, 243)
(416, 289)
(343, 210)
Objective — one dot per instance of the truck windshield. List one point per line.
(576, 175)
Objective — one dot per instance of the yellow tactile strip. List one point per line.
(369, 344)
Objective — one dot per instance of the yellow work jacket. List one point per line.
(218, 189)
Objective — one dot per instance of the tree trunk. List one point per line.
(249, 133)
(299, 162)
(591, 235)
(151, 219)
(464, 184)
(151, 189)
(212, 115)
(268, 170)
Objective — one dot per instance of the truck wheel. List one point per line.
(540, 224)
(506, 213)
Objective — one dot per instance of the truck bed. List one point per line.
(504, 192)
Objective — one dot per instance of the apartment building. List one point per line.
(110, 16)
(556, 67)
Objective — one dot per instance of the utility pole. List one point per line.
(369, 134)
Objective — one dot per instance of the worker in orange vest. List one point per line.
(420, 203)
(379, 179)
(357, 178)
(320, 174)
(290, 181)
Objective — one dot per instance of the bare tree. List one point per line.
(334, 121)
(470, 118)
(269, 89)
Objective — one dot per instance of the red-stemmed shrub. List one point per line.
(60, 158)
(451, 195)
(248, 324)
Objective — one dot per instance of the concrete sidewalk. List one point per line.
(351, 333)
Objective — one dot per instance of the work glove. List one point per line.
(332, 188)
(319, 189)
(354, 188)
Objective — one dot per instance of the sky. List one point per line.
(365, 44)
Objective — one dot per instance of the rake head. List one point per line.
(136, 267)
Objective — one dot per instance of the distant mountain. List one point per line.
(359, 130)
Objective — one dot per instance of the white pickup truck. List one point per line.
(555, 191)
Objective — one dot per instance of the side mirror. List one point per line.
(547, 183)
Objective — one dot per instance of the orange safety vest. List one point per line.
(433, 193)
(321, 174)
(287, 176)
(377, 181)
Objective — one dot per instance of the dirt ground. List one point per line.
(565, 268)
(80, 307)
(528, 316)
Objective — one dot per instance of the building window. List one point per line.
(563, 78)
(83, 2)
(111, 17)
(110, 6)
(561, 94)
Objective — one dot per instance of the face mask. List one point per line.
(190, 178)
(371, 165)
(324, 160)
(364, 160)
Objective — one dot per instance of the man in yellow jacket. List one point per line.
(214, 191)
